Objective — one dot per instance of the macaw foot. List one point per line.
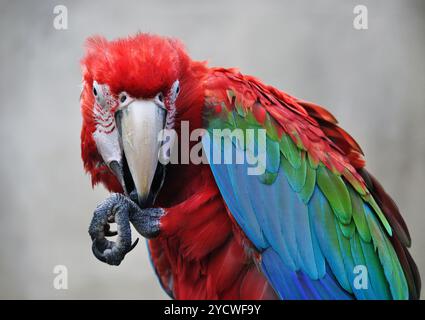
(122, 210)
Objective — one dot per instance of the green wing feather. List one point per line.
(345, 218)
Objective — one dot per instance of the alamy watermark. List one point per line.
(60, 20)
(360, 21)
(60, 281)
(221, 146)
(361, 279)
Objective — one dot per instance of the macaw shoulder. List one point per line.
(243, 101)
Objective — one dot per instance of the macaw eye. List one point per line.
(174, 91)
(102, 96)
(160, 100)
(161, 97)
(123, 98)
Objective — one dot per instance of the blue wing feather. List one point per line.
(305, 255)
(292, 285)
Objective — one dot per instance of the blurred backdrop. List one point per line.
(372, 80)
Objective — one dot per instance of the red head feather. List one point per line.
(142, 66)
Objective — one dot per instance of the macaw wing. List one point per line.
(315, 220)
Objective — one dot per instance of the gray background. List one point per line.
(373, 81)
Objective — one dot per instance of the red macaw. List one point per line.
(299, 229)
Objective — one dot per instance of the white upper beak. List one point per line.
(141, 123)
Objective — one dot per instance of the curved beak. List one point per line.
(140, 124)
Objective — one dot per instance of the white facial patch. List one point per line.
(108, 145)
(103, 96)
(106, 133)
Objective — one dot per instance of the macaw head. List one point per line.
(131, 90)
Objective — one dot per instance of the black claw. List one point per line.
(121, 210)
(106, 252)
(133, 196)
(97, 253)
(134, 245)
(110, 233)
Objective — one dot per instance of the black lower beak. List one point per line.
(156, 186)
(123, 174)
